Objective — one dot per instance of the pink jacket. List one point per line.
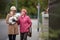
(25, 23)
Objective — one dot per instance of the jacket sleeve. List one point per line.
(29, 22)
(18, 22)
(7, 17)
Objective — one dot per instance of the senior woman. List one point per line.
(12, 28)
(25, 24)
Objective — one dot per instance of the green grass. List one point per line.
(43, 35)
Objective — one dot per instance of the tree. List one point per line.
(3, 6)
(54, 20)
(30, 5)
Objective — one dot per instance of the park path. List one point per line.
(3, 31)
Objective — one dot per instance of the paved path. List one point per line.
(3, 31)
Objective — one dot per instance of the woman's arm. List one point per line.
(7, 17)
(29, 22)
(18, 22)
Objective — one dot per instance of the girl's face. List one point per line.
(12, 12)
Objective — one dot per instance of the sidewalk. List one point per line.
(35, 33)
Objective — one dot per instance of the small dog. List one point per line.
(12, 20)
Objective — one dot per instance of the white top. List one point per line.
(45, 15)
(45, 21)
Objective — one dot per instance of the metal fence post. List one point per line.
(38, 15)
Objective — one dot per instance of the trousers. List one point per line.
(12, 37)
(23, 36)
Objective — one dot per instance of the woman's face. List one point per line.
(23, 13)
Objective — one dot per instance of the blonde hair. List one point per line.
(13, 8)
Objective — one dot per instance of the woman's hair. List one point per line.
(24, 10)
